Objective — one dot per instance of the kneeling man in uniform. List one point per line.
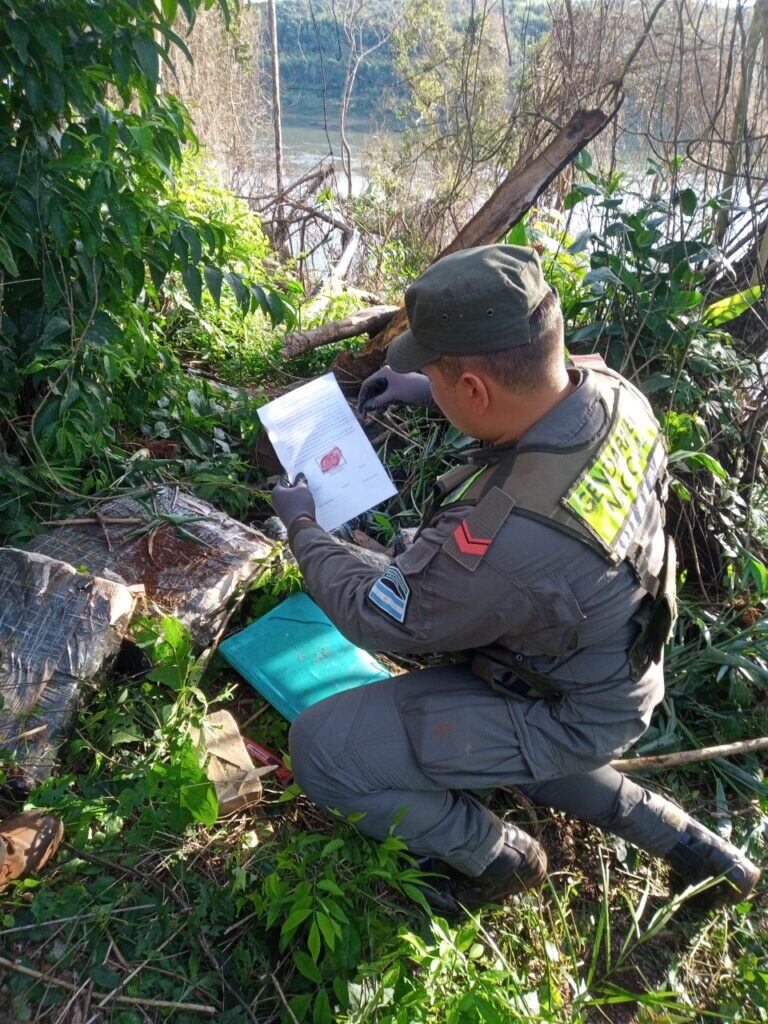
(542, 559)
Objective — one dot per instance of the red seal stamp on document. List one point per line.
(332, 460)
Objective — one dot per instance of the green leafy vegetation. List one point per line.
(294, 913)
(124, 268)
(291, 908)
(95, 237)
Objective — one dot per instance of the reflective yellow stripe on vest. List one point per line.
(462, 489)
(614, 484)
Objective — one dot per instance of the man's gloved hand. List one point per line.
(293, 501)
(386, 387)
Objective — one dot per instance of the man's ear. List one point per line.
(474, 392)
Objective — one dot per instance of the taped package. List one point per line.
(189, 556)
(59, 628)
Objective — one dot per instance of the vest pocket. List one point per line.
(657, 620)
(554, 627)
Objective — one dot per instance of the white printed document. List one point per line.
(315, 432)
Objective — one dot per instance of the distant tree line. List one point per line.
(314, 50)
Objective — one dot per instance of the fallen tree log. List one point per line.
(312, 179)
(315, 211)
(526, 181)
(512, 199)
(344, 262)
(325, 290)
(366, 321)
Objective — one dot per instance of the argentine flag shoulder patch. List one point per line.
(390, 593)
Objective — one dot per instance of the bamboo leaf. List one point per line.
(724, 310)
(6, 258)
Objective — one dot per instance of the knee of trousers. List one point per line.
(314, 756)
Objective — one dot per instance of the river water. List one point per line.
(306, 143)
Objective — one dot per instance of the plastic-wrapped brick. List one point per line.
(58, 629)
(189, 556)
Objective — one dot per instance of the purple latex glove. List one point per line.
(386, 387)
(292, 501)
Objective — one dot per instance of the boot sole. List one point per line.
(729, 892)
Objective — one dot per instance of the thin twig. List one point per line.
(114, 994)
(283, 1000)
(618, 81)
(75, 917)
(159, 1004)
(389, 425)
(94, 521)
(31, 732)
(255, 715)
(155, 883)
(201, 663)
(103, 524)
(655, 762)
(140, 876)
(64, 1015)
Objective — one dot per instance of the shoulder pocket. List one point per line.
(417, 557)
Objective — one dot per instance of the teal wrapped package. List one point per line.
(294, 656)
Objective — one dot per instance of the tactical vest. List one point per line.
(600, 492)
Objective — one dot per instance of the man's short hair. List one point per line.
(525, 368)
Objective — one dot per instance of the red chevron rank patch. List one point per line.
(469, 542)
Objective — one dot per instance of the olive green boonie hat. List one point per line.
(470, 302)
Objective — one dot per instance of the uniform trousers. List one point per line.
(407, 753)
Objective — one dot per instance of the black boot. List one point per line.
(520, 864)
(701, 854)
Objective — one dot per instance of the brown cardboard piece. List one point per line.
(230, 768)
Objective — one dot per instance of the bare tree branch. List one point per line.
(514, 197)
(366, 321)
